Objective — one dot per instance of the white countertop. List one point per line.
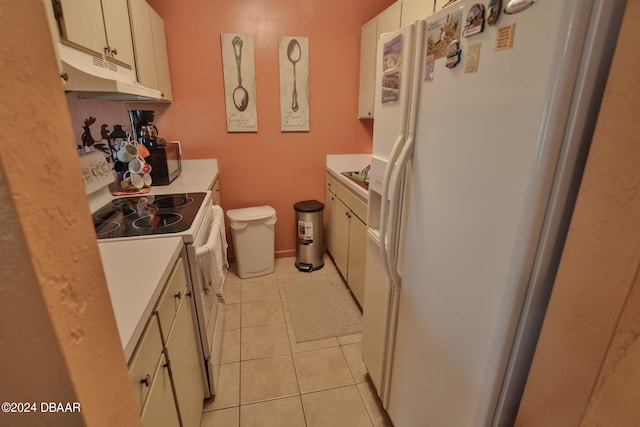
(338, 163)
(196, 175)
(136, 271)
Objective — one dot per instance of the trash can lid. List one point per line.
(308, 206)
(251, 214)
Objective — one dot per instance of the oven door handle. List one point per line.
(203, 252)
(209, 250)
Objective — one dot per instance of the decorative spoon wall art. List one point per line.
(294, 53)
(239, 82)
(294, 84)
(240, 94)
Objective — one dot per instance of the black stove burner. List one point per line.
(176, 200)
(106, 229)
(122, 210)
(157, 220)
(147, 215)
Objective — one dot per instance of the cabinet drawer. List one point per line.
(355, 203)
(170, 297)
(331, 184)
(144, 361)
(215, 193)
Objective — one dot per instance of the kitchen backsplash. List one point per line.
(106, 112)
(109, 112)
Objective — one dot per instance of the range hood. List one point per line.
(92, 77)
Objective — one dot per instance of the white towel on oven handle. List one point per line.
(218, 218)
(212, 256)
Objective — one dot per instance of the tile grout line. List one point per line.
(240, 361)
(293, 360)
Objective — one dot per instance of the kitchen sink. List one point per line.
(357, 178)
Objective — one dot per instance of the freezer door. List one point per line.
(394, 64)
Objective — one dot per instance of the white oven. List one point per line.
(208, 266)
(194, 218)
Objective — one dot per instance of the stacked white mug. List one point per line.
(137, 176)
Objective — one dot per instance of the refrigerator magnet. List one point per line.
(493, 11)
(505, 35)
(473, 58)
(517, 6)
(475, 21)
(453, 54)
(428, 69)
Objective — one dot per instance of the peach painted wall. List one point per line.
(58, 336)
(267, 167)
(586, 370)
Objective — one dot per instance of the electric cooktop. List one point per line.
(147, 215)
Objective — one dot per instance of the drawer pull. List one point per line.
(146, 380)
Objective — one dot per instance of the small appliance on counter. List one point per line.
(164, 157)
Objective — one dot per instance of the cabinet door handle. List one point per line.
(106, 50)
(178, 295)
(114, 52)
(64, 76)
(146, 380)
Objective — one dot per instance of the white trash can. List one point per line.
(253, 236)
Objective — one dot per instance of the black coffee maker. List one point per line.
(144, 131)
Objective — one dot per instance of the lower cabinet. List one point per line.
(160, 408)
(166, 367)
(357, 257)
(215, 192)
(186, 365)
(347, 234)
(329, 211)
(341, 237)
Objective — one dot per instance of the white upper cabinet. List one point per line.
(413, 10)
(162, 59)
(118, 29)
(388, 20)
(368, 38)
(101, 27)
(152, 63)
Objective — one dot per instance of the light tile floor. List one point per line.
(267, 379)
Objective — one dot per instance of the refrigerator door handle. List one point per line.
(398, 162)
(395, 201)
(384, 214)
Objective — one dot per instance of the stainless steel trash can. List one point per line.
(310, 248)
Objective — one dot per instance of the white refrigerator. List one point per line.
(474, 174)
